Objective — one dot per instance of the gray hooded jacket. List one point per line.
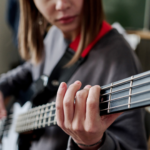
(111, 59)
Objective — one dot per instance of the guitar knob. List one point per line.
(55, 83)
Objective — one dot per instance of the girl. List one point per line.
(78, 27)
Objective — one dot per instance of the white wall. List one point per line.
(8, 52)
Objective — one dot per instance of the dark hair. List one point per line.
(31, 33)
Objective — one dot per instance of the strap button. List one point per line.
(55, 83)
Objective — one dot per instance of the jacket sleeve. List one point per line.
(17, 79)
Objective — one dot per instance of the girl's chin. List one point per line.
(68, 29)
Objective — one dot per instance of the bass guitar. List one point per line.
(123, 95)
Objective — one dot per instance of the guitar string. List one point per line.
(124, 81)
(53, 104)
(54, 122)
(101, 95)
(133, 86)
(126, 104)
(112, 100)
(49, 105)
(41, 107)
(115, 99)
(28, 125)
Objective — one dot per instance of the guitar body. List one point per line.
(10, 137)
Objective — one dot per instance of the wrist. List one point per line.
(93, 146)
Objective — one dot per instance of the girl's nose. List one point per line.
(62, 4)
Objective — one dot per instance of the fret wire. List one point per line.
(125, 96)
(126, 104)
(26, 122)
(53, 122)
(41, 115)
(130, 92)
(50, 116)
(50, 113)
(33, 118)
(125, 88)
(28, 129)
(44, 120)
(37, 115)
(51, 110)
(126, 81)
(110, 97)
(28, 125)
(38, 108)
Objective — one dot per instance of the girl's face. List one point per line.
(65, 14)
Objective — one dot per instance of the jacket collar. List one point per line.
(104, 30)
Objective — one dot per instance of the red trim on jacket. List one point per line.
(104, 30)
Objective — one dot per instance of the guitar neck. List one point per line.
(126, 94)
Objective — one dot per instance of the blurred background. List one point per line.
(8, 49)
(133, 16)
(130, 17)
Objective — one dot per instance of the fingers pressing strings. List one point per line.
(92, 105)
(68, 103)
(59, 104)
(80, 108)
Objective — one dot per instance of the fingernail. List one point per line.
(62, 85)
(77, 82)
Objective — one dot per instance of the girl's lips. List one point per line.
(66, 20)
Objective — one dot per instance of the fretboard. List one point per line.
(126, 94)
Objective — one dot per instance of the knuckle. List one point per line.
(77, 127)
(58, 107)
(95, 88)
(92, 104)
(89, 129)
(81, 94)
(67, 126)
(60, 124)
(67, 103)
